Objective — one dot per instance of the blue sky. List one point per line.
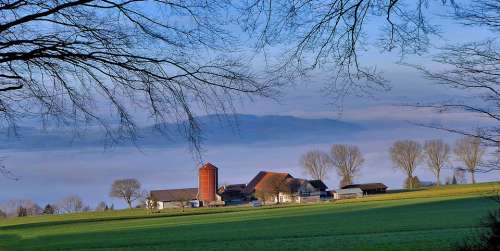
(47, 176)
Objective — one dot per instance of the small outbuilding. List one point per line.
(347, 193)
(369, 188)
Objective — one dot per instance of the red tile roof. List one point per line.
(265, 181)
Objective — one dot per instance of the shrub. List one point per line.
(412, 182)
(22, 211)
(486, 240)
(49, 209)
(2, 214)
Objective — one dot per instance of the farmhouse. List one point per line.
(347, 193)
(282, 187)
(175, 197)
(369, 188)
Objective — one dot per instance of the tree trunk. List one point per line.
(473, 177)
(438, 182)
(129, 204)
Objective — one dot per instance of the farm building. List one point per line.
(204, 195)
(369, 188)
(347, 193)
(175, 197)
(270, 187)
(282, 187)
(232, 194)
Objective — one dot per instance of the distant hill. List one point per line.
(237, 129)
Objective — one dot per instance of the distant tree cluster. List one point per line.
(22, 208)
(406, 155)
(128, 190)
(346, 160)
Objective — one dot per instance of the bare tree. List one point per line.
(184, 200)
(67, 60)
(470, 151)
(71, 204)
(264, 195)
(474, 69)
(331, 34)
(316, 164)
(101, 206)
(126, 189)
(151, 203)
(406, 155)
(436, 154)
(278, 185)
(6, 172)
(24, 206)
(347, 160)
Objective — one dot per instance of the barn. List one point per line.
(175, 197)
(369, 188)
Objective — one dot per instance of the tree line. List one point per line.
(406, 156)
(128, 190)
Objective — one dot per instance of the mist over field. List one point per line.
(255, 143)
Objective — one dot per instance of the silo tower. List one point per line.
(208, 183)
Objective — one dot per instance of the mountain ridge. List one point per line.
(216, 129)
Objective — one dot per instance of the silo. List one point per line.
(208, 183)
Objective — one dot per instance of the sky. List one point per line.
(47, 176)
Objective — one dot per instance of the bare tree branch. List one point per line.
(69, 60)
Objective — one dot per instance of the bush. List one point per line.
(412, 182)
(49, 209)
(487, 240)
(22, 212)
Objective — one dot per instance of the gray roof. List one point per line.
(349, 191)
(318, 184)
(367, 186)
(175, 194)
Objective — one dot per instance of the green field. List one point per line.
(429, 219)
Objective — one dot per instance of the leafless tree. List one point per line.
(436, 154)
(347, 161)
(406, 155)
(126, 189)
(70, 204)
(278, 185)
(67, 60)
(28, 207)
(101, 206)
(183, 200)
(332, 34)
(470, 151)
(316, 164)
(264, 195)
(6, 172)
(474, 69)
(151, 203)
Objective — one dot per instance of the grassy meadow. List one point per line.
(428, 219)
